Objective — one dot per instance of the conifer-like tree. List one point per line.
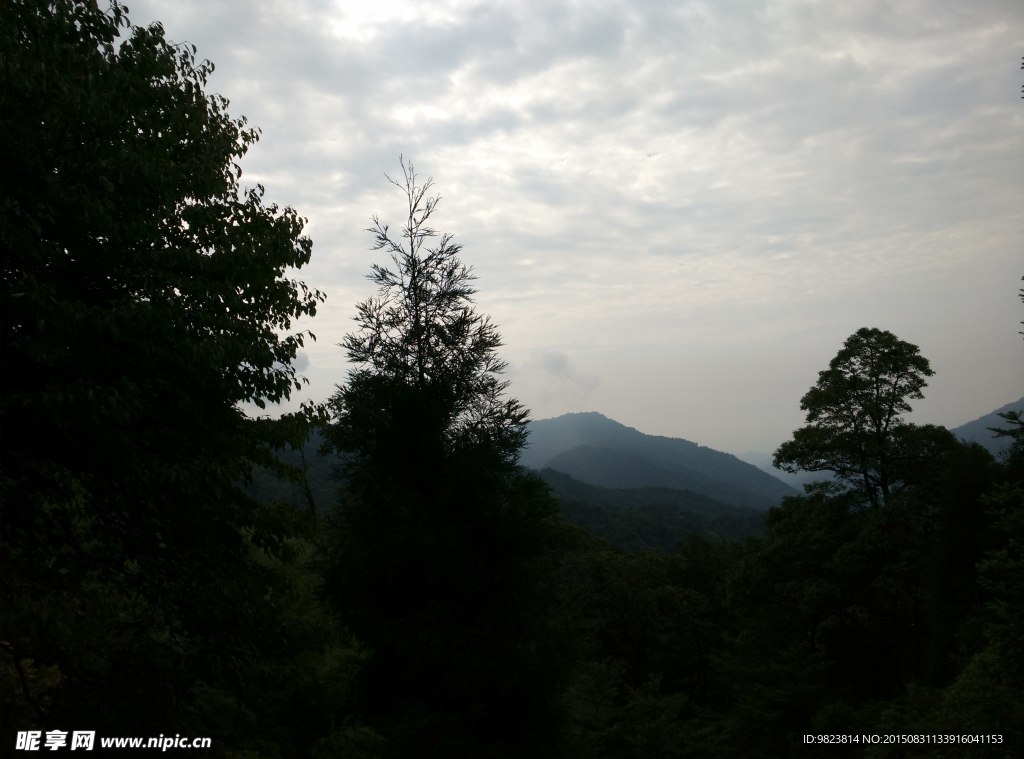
(429, 555)
(422, 351)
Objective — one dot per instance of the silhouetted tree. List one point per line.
(421, 335)
(430, 551)
(1021, 293)
(854, 413)
(144, 298)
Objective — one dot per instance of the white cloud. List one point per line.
(706, 179)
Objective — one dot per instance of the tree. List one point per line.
(1021, 293)
(144, 298)
(421, 343)
(431, 554)
(854, 412)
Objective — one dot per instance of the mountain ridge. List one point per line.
(649, 518)
(977, 430)
(597, 450)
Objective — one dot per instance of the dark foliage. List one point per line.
(143, 299)
(431, 551)
(442, 607)
(983, 430)
(636, 519)
(855, 427)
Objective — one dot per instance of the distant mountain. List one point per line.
(978, 432)
(599, 451)
(318, 482)
(763, 461)
(638, 519)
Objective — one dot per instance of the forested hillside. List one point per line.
(409, 589)
(599, 451)
(637, 519)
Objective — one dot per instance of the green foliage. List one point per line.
(1015, 432)
(431, 555)
(145, 296)
(636, 519)
(444, 609)
(424, 354)
(983, 430)
(983, 694)
(1021, 293)
(855, 428)
(648, 630)
(839, 619)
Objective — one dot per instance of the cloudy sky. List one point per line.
(678, 211)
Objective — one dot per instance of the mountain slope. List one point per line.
(763, 461)
(599, 451)
(977, 430)
(639, 519)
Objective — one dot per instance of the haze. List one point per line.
(677, 211)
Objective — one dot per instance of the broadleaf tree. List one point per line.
(146, 296)
(430, 554)
(855, 427)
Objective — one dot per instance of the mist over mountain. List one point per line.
(977, 431)
(600, 451)
(593, 450)
(649, 518)
(763, 461)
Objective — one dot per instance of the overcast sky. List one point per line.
(678, 211)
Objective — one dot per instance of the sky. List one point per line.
(677, 211)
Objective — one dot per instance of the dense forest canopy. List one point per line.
(146, 296)
(443, 602)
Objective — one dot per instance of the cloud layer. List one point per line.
(681, 209)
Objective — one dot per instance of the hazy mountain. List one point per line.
(637, 519)
(317, 482)
(599, 451)
(977, 431)
(763, 461)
